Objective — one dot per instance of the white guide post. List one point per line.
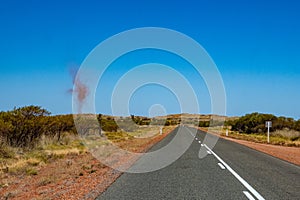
(268, 125)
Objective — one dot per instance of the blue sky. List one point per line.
(255, 45)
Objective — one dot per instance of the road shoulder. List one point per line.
(289, 154)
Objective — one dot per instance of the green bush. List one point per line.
(24, 127)
(255, 123)
(204, 123)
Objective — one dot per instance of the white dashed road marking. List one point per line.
(221, 166)
(248, 195)
(242, 181)
(249, 187)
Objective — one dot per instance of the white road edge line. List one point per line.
(221, 166)
(249, 187)
(248, 195)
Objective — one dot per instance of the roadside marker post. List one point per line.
(226, 132)
(268, 125)
(160, 131)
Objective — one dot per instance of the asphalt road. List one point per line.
(229, 171)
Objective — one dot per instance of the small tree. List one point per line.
(27, 125)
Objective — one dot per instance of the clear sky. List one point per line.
(255, 44)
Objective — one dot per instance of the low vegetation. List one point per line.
(24, 127)
(35, 144)
(30, 137)
(255, 123)
(278, 139)
(284, 131)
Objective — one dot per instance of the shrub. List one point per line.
(255, 123)
(31, 171)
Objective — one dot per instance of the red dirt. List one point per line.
(84, 177)
(74, 177)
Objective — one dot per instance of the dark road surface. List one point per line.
(229, 171)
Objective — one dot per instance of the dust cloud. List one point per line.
(79, 88)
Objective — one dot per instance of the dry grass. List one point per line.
(19, 161)
(145, 131)
(280, 137)
(65, 170)
(288, 134)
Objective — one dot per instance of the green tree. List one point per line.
(27, 125)
(252, 123)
